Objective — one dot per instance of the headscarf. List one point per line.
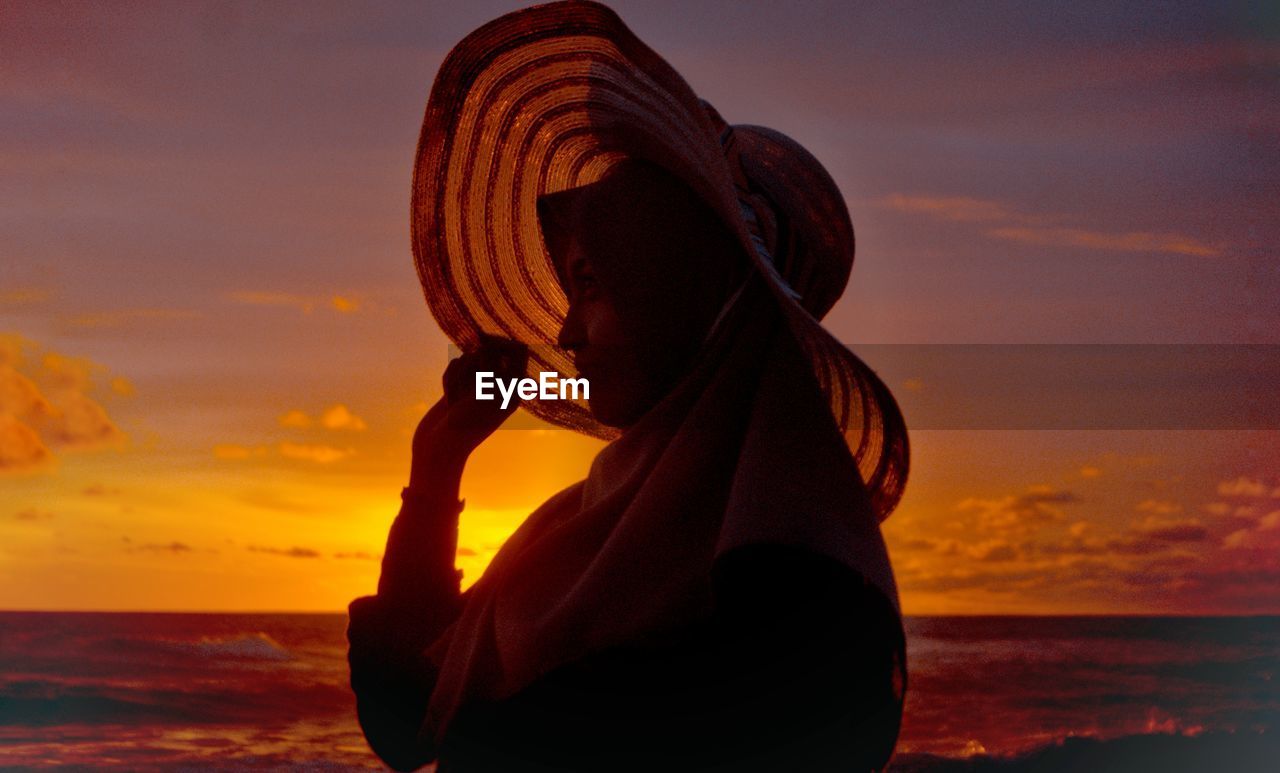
(742, 450)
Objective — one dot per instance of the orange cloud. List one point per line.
(342, 304)
(56, 413)
(321, 454)
(336, 417)
(295, 419)
(1037, 506)
(1023, 228)
(340, 417)
(1243, 487)
(1263, 535)
(1187, 530)
(1130, 241)
(21, 449)
(23, 296)
(1158, 506)
(960, 209)
(173, 547)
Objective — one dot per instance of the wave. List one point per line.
(254, 646)
(1170, 752)
(36, 702)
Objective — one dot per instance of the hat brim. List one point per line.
(549, 98)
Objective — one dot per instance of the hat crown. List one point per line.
(793, 210)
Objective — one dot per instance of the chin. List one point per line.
(608, 416)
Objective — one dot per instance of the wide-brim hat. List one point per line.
(551, 97)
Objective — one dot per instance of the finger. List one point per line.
(506, 356)
(513, 365)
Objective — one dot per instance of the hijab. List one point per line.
(742, 450)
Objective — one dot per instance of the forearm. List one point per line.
(418, 562)
(418, 597)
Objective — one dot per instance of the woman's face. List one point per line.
(625, 383)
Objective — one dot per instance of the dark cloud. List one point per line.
(32, 514)
(292, 552)
(158, 547)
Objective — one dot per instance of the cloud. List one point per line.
(1018, 512)
(162, 547)
(23, 296)
(1008, 224)
(295, 419)
(1162, 530)
(1264, 535)
(80, 423)
(958, 209)
(310, 452)
(1243, 487)
(292, 552)
(340, 417)
(32, 514)
(993, 550)
(1089, 471)
(45, 405)
(19, 396)
(335, 417)
(21, 449)
(307, 304)
(344, 304)
(1130, 241)
(321, 454)
(123, 318)
(358, 555)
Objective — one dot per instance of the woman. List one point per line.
(715, 593)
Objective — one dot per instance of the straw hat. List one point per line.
(549, 98)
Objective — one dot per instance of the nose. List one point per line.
(573, 334)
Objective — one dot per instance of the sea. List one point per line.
(269, 691)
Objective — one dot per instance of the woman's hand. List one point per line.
(458, 422)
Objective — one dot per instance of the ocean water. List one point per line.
(186, 691)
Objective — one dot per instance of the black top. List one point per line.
(800, 667)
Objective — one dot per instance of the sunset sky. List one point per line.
(214, 347)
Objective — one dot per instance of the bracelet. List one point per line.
(408, 494)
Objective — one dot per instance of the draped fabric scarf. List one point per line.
(742, 450)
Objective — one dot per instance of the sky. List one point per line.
(214, 347)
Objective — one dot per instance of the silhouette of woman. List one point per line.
(715, 594)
